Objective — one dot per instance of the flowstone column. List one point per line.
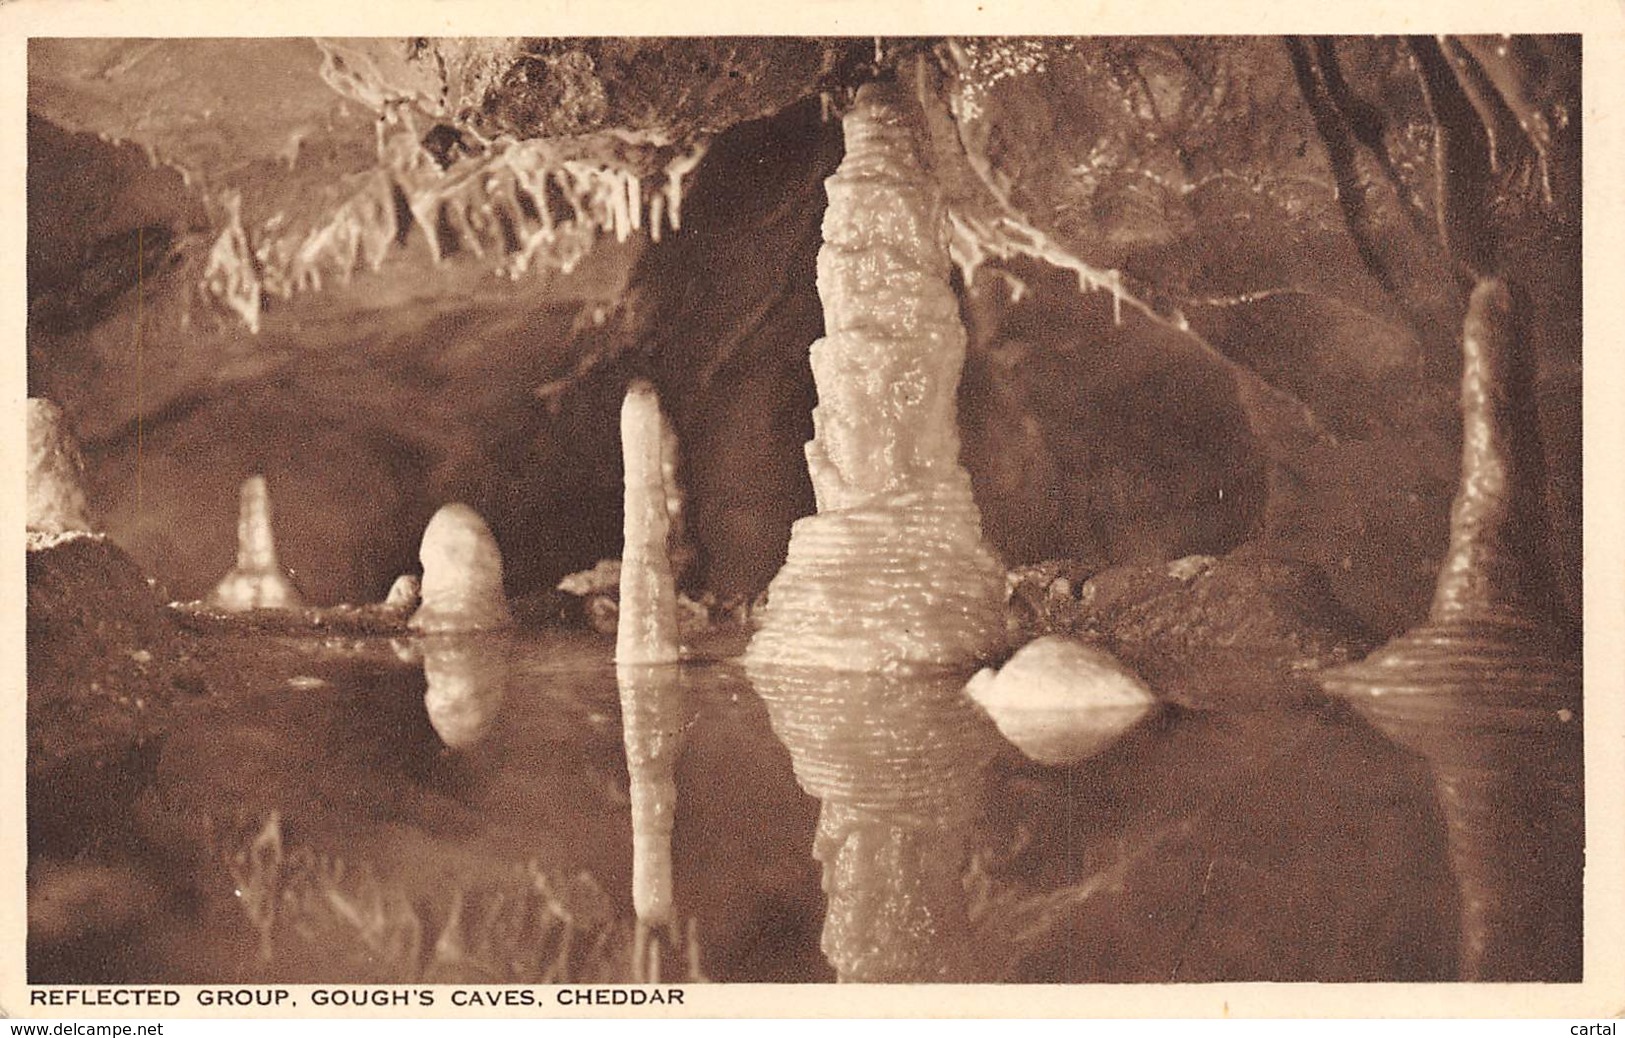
(891, 572)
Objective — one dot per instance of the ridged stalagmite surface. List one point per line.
(258, 580)
(896, 763)
(461, 589)
(892, 571)
(646, 631)
(1487, 690)
(56, 494)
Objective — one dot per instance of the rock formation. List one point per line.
(258, 581)
(1060, 700)
(461, 588)
(892, 571)
(57, 505)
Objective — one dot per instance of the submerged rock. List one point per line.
(1060, 701)
(57, 505)
(258, 580)
(462, 574)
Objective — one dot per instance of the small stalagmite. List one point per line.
(258, 581)
(892, 571)
(1488, 689)
(1060, 701)
(57, 506)
(646, 631)
(461, 589)
(404, 594)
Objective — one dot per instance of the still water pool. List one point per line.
(350, 811)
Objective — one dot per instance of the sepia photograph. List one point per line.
(543, 518)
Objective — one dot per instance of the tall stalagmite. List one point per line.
(1488, 689)
(647, 627)
(891, 571)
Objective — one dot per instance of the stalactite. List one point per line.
(461, 587)
(892, 571)
(258, 580)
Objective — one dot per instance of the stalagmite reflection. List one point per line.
(654, 716)
(897, 764)
(468, 679)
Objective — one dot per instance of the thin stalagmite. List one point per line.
(258, 580)
(461, 589)
(892, 570)
(646, 654)
(647, 628)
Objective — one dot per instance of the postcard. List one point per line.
(1034, 511)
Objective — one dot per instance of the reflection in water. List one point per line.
(468, 678)
(654, 714)
(897, 764)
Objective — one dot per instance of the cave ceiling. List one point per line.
(441, 246)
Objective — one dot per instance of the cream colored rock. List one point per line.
(57, 505)
(646, 631)
(1060, 701)
(892, 572)
(258, 581)
(405, 593)
(461, 587)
